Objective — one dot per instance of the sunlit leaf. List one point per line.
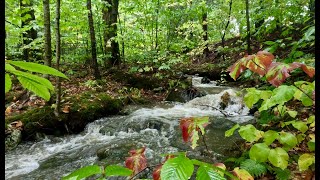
(278, 157)
(230, 132)
(269, 136)
(115, 170)
(242, 174)
(179, 168)
(35, 87)
(259, 152)
(207, 173)
(288, 139)
(250, 133)
(8, 83)
(305, 160)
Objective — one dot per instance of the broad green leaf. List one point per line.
(39, 68)
(250, 133)
(251, 97)
(9, 68)
(301, 126)
(306, 101)
(207, 173)
(35, 87)
(8, 83)
(278, 157)
(293, 114)
(230, 132)
(115, 170)
(280, 95)
(83, 172)
(311, 119)
(265, 94)
(259, 152)
(305, 160)
(269, 136)
(287, 139)
(40, 80)
(179, 168)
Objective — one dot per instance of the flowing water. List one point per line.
(108, 140)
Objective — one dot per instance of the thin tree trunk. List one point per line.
(31, 34)
(47, 33)
(205, 30)
(248, 27)
(157, 11)
(122, 41)
(58, 54)
(225, 29)
(94, 62)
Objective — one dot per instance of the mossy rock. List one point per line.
(84, 108)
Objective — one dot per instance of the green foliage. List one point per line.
(282, 174)
(207, 173)
(278, 157)
(179, 168)
(250, 133)
(230, 132)
(84, 172)
(253, 167)
(39, 85)
(115, 170)
(259, 152)
(305, 160)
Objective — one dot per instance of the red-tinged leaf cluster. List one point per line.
(157, 170)
(137, 160)
(261, 63)
(190, 127)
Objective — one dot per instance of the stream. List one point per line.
(108, 140)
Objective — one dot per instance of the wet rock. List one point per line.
(205, 80)
(225, 99)
(184, 95)
(13, 139)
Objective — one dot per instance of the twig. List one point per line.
(226, 115)
(148, 167)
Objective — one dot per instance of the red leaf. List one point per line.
(259, 63)
(184, 125)
(238, 67)
(137, 160)
(277, 73)
(307, 69)
(157, 170)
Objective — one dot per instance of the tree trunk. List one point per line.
(47, 33)
(94, 62)
(58, 54)
(225, 29)
(31, 34)
(312, 10)
(157, 17)
(110, 15)
(248, 28)
(205, 31)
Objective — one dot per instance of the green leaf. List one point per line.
(292, 113)
(300, 137)
(311, 119)
(250, 133)
(83, 172)
(39, 68)
(230, 132)
(35, 87)
(269, 136)
(9, 68)
(287, 139)
(301, 126)
(305, 160)
(251, 97)
(40, 80)
(259, 152)
(280, 95)
(207, 173)
(179, 168)
(278, 157)
(8, 83)
(115, 170)
(311, 143)
(253, 167)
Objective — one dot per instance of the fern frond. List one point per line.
(253, 167)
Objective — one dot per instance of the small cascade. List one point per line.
(109, 139)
